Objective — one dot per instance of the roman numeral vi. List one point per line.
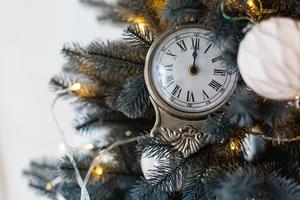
(190, 97)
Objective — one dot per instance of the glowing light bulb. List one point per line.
(98, 170)
(49, 186)
(62, 147)
(232, 146)
(128, 133)
(75, 87)
(88, 147)
(251, 3)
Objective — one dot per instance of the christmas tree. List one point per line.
(249, 147)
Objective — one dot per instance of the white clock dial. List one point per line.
(187, 72)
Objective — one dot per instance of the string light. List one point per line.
(108, 158)
(128, 133)
(97, 159)
(88, 147)
(98, 170)
(251, 3)
(75, 87)
(97, 173)
(62, 147)
(49, 187)
(259, 133)
(234, 145)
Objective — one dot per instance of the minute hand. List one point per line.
(194, 56)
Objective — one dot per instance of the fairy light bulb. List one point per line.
(99, 170)
(62, 147)
(88, 147)
(49, 187)
(234, 145)
(251, 3)
(75, 87)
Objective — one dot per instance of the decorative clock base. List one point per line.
(187, 139)
(185, 136)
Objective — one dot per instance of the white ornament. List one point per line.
(150, 164)
(269, 58)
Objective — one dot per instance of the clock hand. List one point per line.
(194, 56)
(193, 69)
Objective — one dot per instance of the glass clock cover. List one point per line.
(187, 72)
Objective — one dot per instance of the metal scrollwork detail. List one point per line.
(187, 139)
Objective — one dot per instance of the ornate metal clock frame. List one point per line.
(181, 129)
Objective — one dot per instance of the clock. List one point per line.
(187, 81)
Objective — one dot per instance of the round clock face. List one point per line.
(187, 73)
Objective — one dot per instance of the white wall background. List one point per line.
(32, 33)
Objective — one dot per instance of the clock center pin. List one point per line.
(193, 70)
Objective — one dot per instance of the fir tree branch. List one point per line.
(118, 57)
(139, 37)
(218, 128)
(164, 178)
(134, 98)
(86, 122)
(251, 183)
(154, 147)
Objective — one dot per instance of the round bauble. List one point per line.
(269, 58)
(149, 165)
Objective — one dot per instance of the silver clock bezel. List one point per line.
(155, 95)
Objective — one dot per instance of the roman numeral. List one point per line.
(182, 45)
(168, 67)
(190, 97)
(216, 59)
(170, 78)
(170, 84)
(219, 72)
(195, 43)
(171, 54)
(215, 85)
(176, 91)
(205, 95)
(206, 50)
